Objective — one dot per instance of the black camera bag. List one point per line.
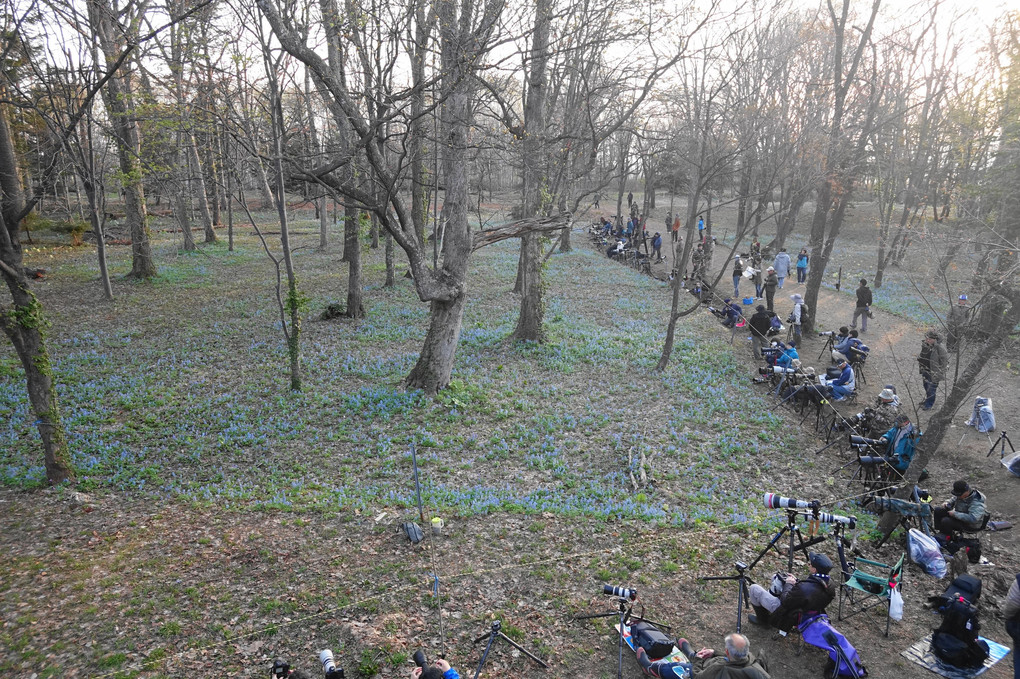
(971, 546)
(956, 640)
(647, 636)
(832, 372)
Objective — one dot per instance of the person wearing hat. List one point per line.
(956, 321)
(733, 312)
(798, 314)
(798, 598)
(771, 283)
(845, 384)
(900, 443)
(760, 323)
(737, 661)
(884, 413)
(932, 363)
(738, 273)
(965, 511)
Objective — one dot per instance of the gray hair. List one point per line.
(737, 646)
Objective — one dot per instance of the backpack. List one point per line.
(647, 636)
(956, 641)
(971, 547)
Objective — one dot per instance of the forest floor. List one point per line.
(222, 521)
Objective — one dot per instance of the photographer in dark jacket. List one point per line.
(798, 597)
(863, 309)
(760, 323)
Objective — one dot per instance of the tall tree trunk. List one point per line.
(117, 96)
(198, 188)
(435, 364)
(352, 248)
(23, 321)
(529, 323)
(390, 278)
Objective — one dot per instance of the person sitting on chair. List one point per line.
(841, 349)
(798, 598)
(736, 662)
(900, 442)
(786, 358)
(884, 412)
(965, 512)
(845, 384)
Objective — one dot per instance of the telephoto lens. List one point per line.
(329, 667)
(621, 592)
(775, 501)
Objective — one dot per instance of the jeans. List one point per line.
(840, 391)
(930, 389)
(736, 286)
(801, 274)
(781, 279)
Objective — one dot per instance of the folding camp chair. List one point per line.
(860, 587)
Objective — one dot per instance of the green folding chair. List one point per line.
(863, 591)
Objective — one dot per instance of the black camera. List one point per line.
(718, 312)
(281, 669)
(863, 442)
(769, 352)
(420, 659)
(329, 667)
(622, 592)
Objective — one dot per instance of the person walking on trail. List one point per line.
(771, 283)
(802, 263)
(932, 363)
(863, 309)
(782, 265)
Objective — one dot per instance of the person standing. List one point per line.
(771, 283)
(657, 247)
(598, 198)
(802, 261)
(738, 273)
(932, 363)
(797, 315)
(956, 322)
(701, 228)
(863, 309)
(782, 265)
(760, 324)
(630, 198)
(676, 228)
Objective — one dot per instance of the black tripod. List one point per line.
(1000, 443)
(743, 595)
(794, 531)
(492, 635)
(828, 348)
(624, 614)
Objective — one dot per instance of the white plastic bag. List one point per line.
(895, 604)
(925, 552)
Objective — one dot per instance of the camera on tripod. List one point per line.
(864, 443)
(775, 501)
(281, 668)
(858, 421)
(620, 592)
(767, 370)
(827, 333)
(718, 312)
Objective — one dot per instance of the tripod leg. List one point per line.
(492, 637)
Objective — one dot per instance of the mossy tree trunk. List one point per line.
(23, 321)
